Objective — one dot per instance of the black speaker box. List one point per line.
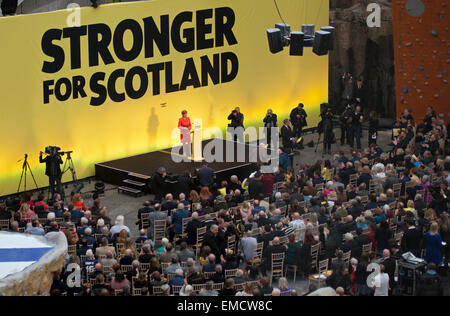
(296, 47)
(275, 41)
(321, 43)
(9, 7)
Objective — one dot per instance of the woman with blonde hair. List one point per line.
(434, 245)
(245, 212)
(25, 212)
(128, 244)
(283, 285)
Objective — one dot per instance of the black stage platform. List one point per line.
(143, 166)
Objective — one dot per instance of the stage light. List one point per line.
(322, 41)
(9, 7)
(94, 3)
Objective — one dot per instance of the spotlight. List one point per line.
(94, 3)
(321, 41)
(9, 7)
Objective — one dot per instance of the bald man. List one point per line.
(273, 248)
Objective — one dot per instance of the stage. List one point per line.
(135, 172)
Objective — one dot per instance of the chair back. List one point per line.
(200, 234)
(144, 220)
(159, 230)
(230, 273)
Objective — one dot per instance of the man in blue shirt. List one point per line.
(36, 228)
(178, 279)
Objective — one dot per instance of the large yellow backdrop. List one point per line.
(118, 129)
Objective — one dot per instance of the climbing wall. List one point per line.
(422, 56)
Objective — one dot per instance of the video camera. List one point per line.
(54, 150)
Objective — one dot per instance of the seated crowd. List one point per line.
(333, 217)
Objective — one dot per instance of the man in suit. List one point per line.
(287, 136)
(211, 239)
(389, 265)
(412, 239)
(158, 183)
(206, 175)
(145, 210)
(298, 119)
(192, 227)
(273, 248)
(270, 121)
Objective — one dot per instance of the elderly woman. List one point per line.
(119, 225)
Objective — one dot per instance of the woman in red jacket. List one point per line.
(184, 124)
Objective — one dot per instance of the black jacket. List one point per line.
(412, 241)
(255, 188)
(269, 119)
(237, 120)
(286, 135)
(52, 168)
(298, 121)
(191, 230)
(158, 186)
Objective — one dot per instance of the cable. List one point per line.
(279, 13)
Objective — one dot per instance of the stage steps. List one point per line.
(135, 185)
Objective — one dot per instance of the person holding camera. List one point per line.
(355, 128)
(236, 126)
(269, 121)
(373, 128)
(52, 162)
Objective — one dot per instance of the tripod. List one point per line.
(318, 142)
(25, 168)
(70, 166)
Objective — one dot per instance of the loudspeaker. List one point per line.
(296, 48)
(332, 31)
(308, 29)
(321, 43)
(308, 41)
(9, 7)
(275, 41)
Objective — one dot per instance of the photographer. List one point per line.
(298, 119)
(355, 128)
(53, 161)
(237, 124)
(269, 121)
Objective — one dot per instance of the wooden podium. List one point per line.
(197, 155)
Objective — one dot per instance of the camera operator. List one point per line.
(327, 128)
(53, 161)
(345, 120)
(298, 119)
(237, 124)
(269, 121)
(355, 128)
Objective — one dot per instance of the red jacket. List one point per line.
(268, 180)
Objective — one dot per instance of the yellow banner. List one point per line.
(115, 85)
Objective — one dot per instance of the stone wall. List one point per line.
(365, 52)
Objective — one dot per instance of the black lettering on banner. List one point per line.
(67, 90)
(52, 50)
(225, 29)
(154, 35)
(143, 81)
(75, 33)
(98, 88)
(170, 87)
(188, 33)
(47, 90)
(213, 71)
(78, 86)
(156, 69)
(190, 76)
(112, 92)
(118, 41)
(99, 46)
(203, 29)
(229, 76)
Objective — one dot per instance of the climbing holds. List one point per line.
(434, 33)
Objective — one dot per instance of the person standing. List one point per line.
(237, 124)
(347, 95)
(287, 136)
(270, 121)
(327, 126)
(360, 94)
(373, 128)
(380, 283)
(184, 124)
(298, 119)
(434, 245)
(52, 162)
(355, 128)
(345, 120)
